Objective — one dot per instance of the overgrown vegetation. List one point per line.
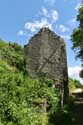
(27, 101)
(77, 37)
(74, 84)
(23, 100)
(12, 54)
(77, 34)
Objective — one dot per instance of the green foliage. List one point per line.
(12, 53)
(81, 73)
(77, 35)
(61, 117)
(73, 84)
(22, 99)
(25, 100)
(77, 83)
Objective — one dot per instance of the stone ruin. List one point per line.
(45, 55)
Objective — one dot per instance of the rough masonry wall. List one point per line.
(45, 55)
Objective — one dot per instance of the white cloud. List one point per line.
(51, 15)
(33, 26)
(67, 37)
(45, 18)
(50, 2)
(77, 6)
(20, 33)
(74, 72)
(44, 12)
(72, 22)
(54, 15)
(63, 28)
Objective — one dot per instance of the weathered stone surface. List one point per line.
(45, 55)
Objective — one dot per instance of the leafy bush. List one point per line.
(22, 99)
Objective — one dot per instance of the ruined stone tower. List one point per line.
(45, 55)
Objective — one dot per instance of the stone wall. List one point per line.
(45, 55)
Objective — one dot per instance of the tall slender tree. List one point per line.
(77, 36)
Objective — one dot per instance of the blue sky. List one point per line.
(21, 19)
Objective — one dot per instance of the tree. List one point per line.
(77, 36)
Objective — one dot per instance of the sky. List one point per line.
(21, 19)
